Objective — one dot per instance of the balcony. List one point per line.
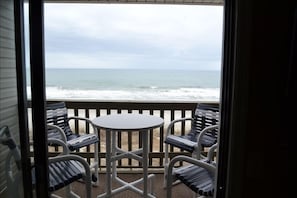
(129, 141)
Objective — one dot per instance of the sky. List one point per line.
(132, 36)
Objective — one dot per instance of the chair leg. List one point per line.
(73, 195)
(195, 195)
(55, 196)
(96, 165)
(88, 186)
(151, 187)
(169, 186)
(166, 161)
(70, 193)
(165, 176)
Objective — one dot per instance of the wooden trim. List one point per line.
(22, 97)
(229, 39)
(181, 2)
(38, 97)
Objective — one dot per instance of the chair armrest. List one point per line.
(60, 143)
(59, 130)
(72, 157)
(80, 118)
(211, 168)
(171, 124)
(202, 133)
(210, 154)
(86, 120)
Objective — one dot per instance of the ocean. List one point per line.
(132, 84)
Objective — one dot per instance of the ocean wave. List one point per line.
(179, 94)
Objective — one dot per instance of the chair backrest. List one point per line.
(206, 115)
(57, 114)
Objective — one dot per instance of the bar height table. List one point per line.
(114, 123)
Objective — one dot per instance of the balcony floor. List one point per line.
(178, 190)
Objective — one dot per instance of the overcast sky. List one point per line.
(133, 36)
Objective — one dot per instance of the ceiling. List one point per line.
(194, 2)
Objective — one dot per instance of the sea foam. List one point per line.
(180, 94)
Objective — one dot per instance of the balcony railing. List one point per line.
(129, 141)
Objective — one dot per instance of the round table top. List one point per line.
(128, 121)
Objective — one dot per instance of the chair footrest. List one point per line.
(81, 141)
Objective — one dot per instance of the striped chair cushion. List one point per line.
(197, 178)
(63, 173)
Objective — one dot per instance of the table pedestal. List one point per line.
(114, 153)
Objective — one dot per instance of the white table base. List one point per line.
(113, 153)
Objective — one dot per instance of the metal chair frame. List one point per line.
(203, 133)
(199, 174)
(59, 128)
